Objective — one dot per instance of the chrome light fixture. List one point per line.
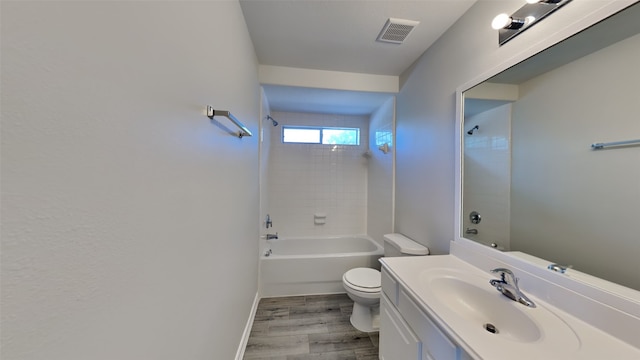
(509, 26)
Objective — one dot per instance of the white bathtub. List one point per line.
(305, 265)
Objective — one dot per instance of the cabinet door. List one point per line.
(435, 344)
(397, 340)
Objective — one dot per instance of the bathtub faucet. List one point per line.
(272, 236)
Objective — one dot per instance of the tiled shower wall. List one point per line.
(305, 179)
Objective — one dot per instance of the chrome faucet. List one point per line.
(508, 286)
(272, 236)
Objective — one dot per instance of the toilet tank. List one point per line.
(399, 245)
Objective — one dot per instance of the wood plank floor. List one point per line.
(313, 327)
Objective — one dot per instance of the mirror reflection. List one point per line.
(532, 182)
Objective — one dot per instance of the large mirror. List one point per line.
(532, 181)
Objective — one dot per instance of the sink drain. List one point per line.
(491, 328)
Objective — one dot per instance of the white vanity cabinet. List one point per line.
(406, 332)
(398, 341)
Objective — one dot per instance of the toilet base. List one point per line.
(365, 318)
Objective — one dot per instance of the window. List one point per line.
(301, 135)
(320, 135)
(384, 137)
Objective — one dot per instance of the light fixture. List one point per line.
(504, 21)
(509, 26)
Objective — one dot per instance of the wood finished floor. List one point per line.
(313, 327)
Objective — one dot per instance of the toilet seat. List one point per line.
(363, 279)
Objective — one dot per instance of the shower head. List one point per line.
(470, 132)
(273, 121)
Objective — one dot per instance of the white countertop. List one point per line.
(562, 335)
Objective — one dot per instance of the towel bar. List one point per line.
(243, 129)
(597, 146)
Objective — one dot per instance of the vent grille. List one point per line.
(396, 30)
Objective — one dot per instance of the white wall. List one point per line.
(128, 217)
(487, 175)
(308, 178)
(380, 172)
(425, 173)
(571, 204)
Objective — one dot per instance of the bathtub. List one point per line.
(314, 265)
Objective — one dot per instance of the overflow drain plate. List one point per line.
(491, 328)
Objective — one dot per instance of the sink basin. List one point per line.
(475, 309)
(482, 307)
(458, 302)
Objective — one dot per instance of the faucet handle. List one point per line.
(503, 272)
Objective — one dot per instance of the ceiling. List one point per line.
(340, 35)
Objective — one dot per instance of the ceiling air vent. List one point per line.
(396, 30)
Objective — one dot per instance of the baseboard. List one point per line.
(247, 328)
(299, 288)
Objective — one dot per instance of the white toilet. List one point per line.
(363, 284)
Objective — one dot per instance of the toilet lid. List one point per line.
(363, 277)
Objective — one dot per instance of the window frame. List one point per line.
(321, 129)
